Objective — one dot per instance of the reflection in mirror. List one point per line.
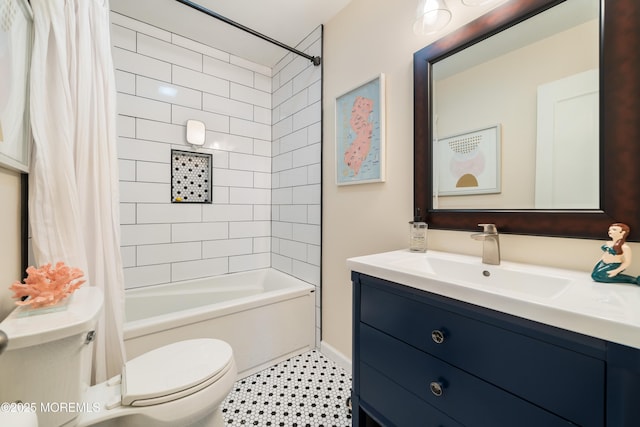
(515, 116)
(16, 35)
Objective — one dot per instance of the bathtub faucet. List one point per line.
(490, 243)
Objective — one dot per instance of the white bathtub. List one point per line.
(265, 315)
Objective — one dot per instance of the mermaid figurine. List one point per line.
(616, 258)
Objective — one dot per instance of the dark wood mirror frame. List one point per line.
(619, 128)
(24, 224)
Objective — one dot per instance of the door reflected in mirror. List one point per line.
(538, 83)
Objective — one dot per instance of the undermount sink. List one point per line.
(563, 298)
(509, 277)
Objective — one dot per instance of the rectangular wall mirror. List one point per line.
(558, 80)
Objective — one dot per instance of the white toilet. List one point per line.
(47, 365)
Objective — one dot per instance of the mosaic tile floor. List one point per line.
(308, 390)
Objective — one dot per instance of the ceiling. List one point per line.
(288, 21)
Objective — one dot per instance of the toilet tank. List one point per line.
(47, 363)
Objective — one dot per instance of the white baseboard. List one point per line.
(340, 359)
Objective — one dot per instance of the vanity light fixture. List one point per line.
(476, 2)
(431, 17)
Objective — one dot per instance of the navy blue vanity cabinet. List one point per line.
(424, 359)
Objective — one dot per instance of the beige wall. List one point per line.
(367, 38)
(10, 243)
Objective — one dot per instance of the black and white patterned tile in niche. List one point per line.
(305, 391)
(190, 177)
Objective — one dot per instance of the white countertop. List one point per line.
(602, 310)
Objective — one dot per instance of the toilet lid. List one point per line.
(173, 371)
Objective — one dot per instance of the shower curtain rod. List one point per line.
(314, 59)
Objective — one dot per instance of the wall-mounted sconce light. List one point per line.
(195, 132)
(431, 17)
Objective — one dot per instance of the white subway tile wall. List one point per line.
(264, 132)
(296, 169)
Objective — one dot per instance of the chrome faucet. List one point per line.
(490, 243)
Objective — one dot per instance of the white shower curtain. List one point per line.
(73, 182)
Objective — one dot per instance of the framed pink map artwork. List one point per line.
(360, 135)
(16, 36)
(468, 163)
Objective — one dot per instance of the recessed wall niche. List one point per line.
(190, 177)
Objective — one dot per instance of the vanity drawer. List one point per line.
(565, 382)
(400, 407)
(466, 398)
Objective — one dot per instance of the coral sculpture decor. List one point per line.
(46, 286)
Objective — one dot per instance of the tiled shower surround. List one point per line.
(264, 132)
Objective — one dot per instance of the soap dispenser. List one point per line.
(417, 233)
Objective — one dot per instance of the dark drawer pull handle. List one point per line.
(437, 336)
(436, 388)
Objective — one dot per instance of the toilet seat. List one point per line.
(174, 371)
